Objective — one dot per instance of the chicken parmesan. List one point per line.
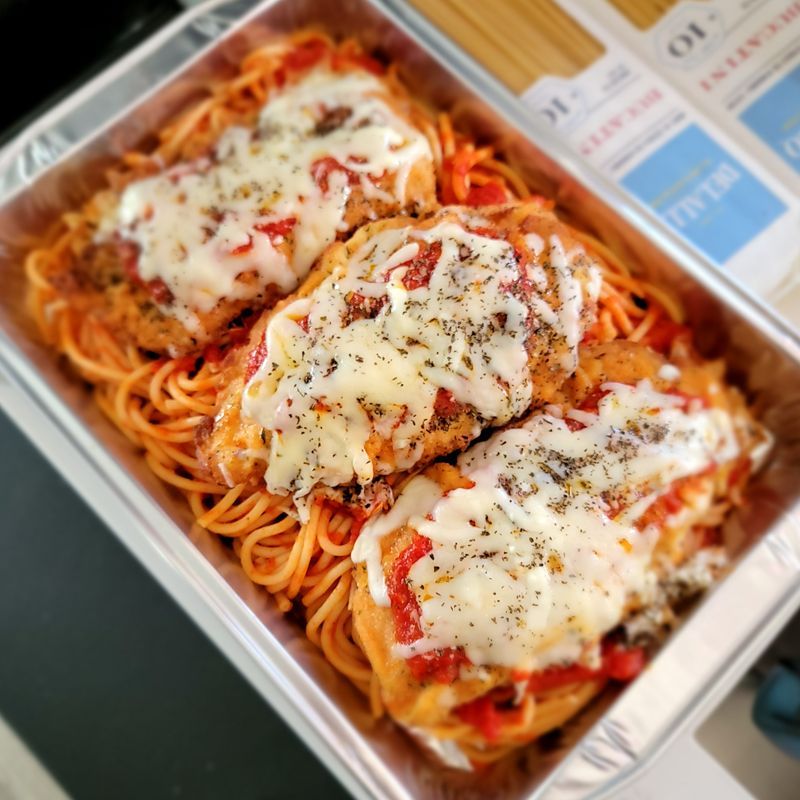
(502, 423)
(174, 260)
(408, 341)
(493, 583)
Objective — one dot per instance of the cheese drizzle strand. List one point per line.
(195, 224)
(527, 568)
(323, 393)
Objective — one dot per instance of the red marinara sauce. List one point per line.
(487, 195)
(418, 270)
(322, 169)
(438, 665)
(445, 404)
(492, 711)
(128, 253)
(278, 228)
(256, 358)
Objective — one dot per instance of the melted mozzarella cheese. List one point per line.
(324, 392)
(196, 225)
(417, 494)
(565, 319)
(527, 568)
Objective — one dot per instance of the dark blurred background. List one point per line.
(51, 47)
(101, 674)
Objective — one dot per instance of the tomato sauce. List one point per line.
(445, 405)
(279, 228)
(241, 249)
(128, 254)
(418, 270)
(322, 169)
(256, 358)
(492, 711)
(305, 55)
(487, 195)
(441, 666)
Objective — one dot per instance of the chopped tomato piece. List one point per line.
(305, 55)
(556, 677)
(256, 358)
(128, 254)
(281, 227)
(241, 249)
(486, 195)
(420, 268)
(439, 665)
(484, 716)
(303, 323)
(489, 233)
(403, 601)
(621, 664)
(574, 424)
(322, 168)
(590, 404)
(489, 713)
(159, 291)
(671, 501)
(446, 405)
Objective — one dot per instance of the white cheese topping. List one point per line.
(527, 568)
(324, 392)
(565, 319)
(200, 225)
(669, 372)
(419, 493)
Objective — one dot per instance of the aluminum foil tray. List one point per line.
(59, 160)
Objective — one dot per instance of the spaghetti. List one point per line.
(159, 403)
(496, 35)
(643, 15)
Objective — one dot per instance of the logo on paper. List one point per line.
(775, 118)
(689, 35)
(559, 102)
(701, 191)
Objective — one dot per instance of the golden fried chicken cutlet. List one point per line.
(406, 342)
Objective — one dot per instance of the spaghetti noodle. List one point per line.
(496, 34)
(643, 15)
(159, 403)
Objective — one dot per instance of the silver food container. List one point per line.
(59, 161)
